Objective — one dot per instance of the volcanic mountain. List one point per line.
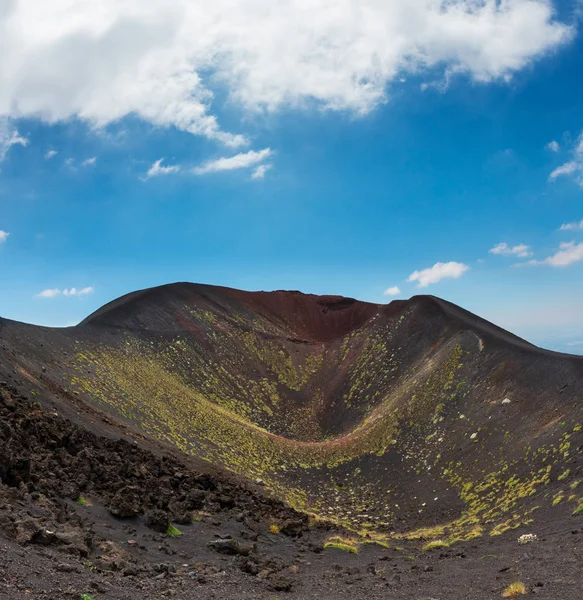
(412, 419)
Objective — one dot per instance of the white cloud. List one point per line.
(260, 171)
(101, 61)
(572, 167)
(240, 161)
(392, 291)
(3, 236)
(566, 169)
(553, 146)
(50, 154)
(572, 226)
(157, 169)
(51, 293)
(569, 253)
(75, 292)
(9, 135)
(521, 250)
(89, 162)
(437, 272)
(572, 344)
(54, 292)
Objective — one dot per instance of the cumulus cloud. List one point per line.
(569, 253)
(437, 272)
(157, 169)
(553, 146)
(158, 60)
(260, 171)
(3, 236)
(50, 154)
(521, 250)
(577, 225)
(573, 167)
(392, 291)
(9, 135)
(54, 292)
(89, 162)
(243, 160)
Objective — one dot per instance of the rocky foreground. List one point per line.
(87, 516)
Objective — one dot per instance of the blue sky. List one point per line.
(285, 150)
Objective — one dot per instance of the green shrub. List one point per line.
(173, 531)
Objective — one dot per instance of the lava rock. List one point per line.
(157, 520)
(126, 503)
(231, 547)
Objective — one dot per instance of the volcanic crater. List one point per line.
(415, 420)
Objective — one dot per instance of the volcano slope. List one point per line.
(414, 420)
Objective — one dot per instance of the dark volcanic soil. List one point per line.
(106, 546)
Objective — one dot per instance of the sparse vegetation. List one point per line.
(173, 531)
(435, 544)
(346, 545)
(274, 528)
(514, 590)
(86, 597)
(527, 538)
(564, 475)
(82, 501)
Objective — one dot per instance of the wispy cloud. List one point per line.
(81, 292)
(521, 250)
(569, 253)
(9, 137)
(565, 169)
(50, 154)
(3, 236)
(392, 291)
(260, 171)
(158, 169)
(54, 292)
(50, 293)
(577, 225)
(89, 162)
(573, 167)
(439, 271)
(553, 146)
(577, 343)
(243, 160)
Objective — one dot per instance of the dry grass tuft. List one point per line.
(436, 544)
(514, 590)
(342, 544)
